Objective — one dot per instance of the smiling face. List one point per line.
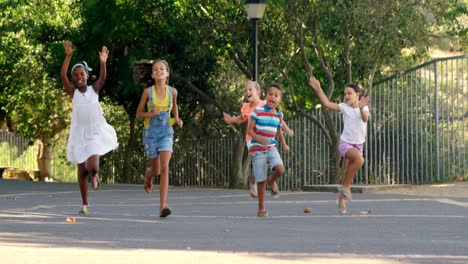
(252, 91)
(79, 77)
(273, 97)
(351, 97)
(160, 72)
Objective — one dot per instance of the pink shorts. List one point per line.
(344, 146)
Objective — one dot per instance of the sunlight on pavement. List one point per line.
(36, 255)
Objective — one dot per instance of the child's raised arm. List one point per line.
(103, 55)
(66, 62)
(321, 95)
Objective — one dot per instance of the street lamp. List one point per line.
(255, 10)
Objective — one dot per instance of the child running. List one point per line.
(355, 116)
(159, 99)
(90, 135)
(252, 93)
(265, 123)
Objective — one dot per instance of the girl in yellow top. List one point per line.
(160, 99)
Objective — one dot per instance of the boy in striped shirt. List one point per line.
(265, 123)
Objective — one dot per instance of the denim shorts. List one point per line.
(261, 159)
(344, 146)
(159, 136)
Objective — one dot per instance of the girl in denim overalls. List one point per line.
(159, 99)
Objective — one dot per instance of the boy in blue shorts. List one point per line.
(265, 123)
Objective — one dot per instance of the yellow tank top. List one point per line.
(163, 104)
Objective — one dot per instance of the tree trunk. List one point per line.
(336, 164)
(236, 171)
(43, 159)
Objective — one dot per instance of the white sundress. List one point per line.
(90, 134)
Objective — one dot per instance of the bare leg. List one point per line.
(253, 182)
(277, 172)
(165, 157)
(92, 164)
(261, 196)
(353, 164)
(155, 166)
(83, 182)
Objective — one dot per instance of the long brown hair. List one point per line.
(142, 71)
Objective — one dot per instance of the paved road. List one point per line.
(220, 226)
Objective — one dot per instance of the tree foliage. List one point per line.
(208, 45)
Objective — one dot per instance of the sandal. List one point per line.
(165, 212)
(148, 183)
(262, 213)
(341, 207)
(345, 194)
(84, 210)
(274, 190)
(96, 183)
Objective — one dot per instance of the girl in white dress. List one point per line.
(90, 135)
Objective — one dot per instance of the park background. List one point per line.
(418, 132)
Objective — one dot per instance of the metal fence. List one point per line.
(17, 152)
(417, 133)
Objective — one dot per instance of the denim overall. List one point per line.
(159, 135)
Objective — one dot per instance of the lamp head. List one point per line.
(255, 8)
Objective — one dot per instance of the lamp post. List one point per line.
(255, 10)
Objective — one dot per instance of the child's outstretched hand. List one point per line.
(314, 83)
(364, 101)
(103, 54)
(227, 117)
(68, 47)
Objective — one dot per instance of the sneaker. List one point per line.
(96, 183)
(84, 210)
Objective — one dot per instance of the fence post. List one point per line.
(304, 149)
(436, 115)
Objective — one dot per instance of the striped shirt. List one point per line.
(266, 126)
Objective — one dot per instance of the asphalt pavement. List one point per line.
(221, 226)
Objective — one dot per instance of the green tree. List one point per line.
(30, 95)
(355, 41)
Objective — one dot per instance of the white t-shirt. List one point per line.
(355, 130)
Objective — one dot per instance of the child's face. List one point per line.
(273, 97)
(79, 77)
(350, 96)
(251, 92)
(159, 71)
